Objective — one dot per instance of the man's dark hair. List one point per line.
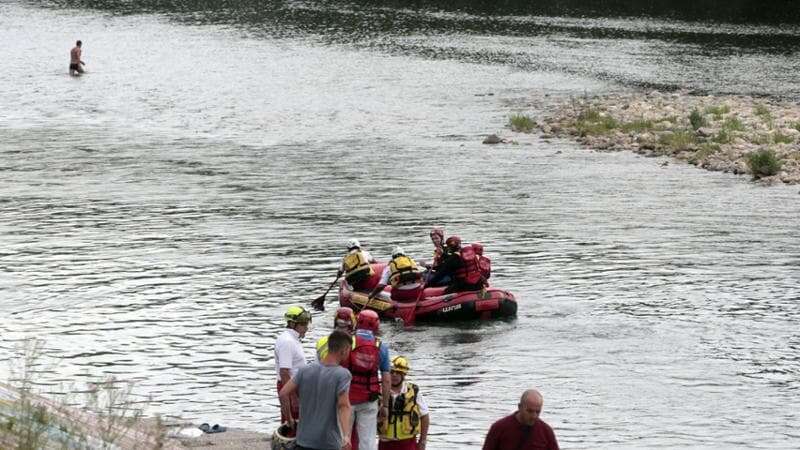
(339, 340)
(78, 43)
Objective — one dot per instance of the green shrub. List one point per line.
(723, 137)
(796, 126)
(637, 126)
(733, 124)
(763, 163)
(718, 111)
(780, 138)
(696, 119)
(766, 116)
(521, 123)
(678, 141)
(593, 122)
(760, 139)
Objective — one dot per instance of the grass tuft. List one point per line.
(723, 137)
(521, 123)
(780, 138)
(637, 126)
(763, 163)
(593, 122)
(678, 141)
(718, 111)
(764, 113)
(733, 124)
(704, 151)
(696, 119)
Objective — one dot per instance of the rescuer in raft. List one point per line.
(356, 265)
(462, 264)
(403, 274)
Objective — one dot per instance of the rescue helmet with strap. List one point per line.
(368, 320)
(345, 318)
(297, 314)
(398, 251)
(353, 243)
(400, 365)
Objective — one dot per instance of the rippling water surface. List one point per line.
(159, 214)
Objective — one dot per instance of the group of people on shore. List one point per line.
(460, 267)
(355, 397)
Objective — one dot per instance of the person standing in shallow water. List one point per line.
(522, 430)
(75, 61)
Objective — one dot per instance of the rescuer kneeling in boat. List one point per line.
(404, 275)
(408, 413)
(462, 264)
(344, 321)
(356, 265)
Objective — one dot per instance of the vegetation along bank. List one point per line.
(738, 134)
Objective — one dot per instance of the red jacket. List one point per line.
(509, 434)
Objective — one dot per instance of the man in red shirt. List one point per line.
(522, 430)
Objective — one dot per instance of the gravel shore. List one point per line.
(719, 133)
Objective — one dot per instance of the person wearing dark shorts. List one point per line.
(75, 62)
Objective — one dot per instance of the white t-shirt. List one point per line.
(289, 352)
(403, 287)
(423, 404)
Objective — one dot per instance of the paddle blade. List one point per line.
(319, 303)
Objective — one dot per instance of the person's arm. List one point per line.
(492, 441)
(286, 376)
(386, 386)
(423, 432)
(376, 291)
(285, 396)
(343, 413)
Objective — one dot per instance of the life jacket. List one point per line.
(404, 416)
(469, 272)
(403, 270)
(356, 267)
(484, 263)
(363, 364)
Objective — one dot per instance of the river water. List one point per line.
(158, 214)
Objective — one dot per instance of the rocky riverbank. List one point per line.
(737, 134)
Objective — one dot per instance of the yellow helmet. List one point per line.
(400, 364)
(297, 314)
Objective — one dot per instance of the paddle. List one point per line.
(408, 321)
(319, 302)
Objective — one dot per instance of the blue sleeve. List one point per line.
(384, 358)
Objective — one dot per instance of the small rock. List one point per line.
(492, 139)
(665, 164)
(547, 136)
(705, 132)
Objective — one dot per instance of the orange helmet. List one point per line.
(368, 320)
(345, 319)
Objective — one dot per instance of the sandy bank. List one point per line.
(716, 133)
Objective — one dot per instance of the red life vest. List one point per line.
(484, 263)
(364, 361)
(470, 271)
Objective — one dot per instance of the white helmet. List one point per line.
(353, 243)
(398, 251)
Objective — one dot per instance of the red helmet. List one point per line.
(478, 247)
(453, 242)
(368, 320)
(345, 319)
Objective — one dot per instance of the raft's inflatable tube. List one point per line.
(434, 304)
